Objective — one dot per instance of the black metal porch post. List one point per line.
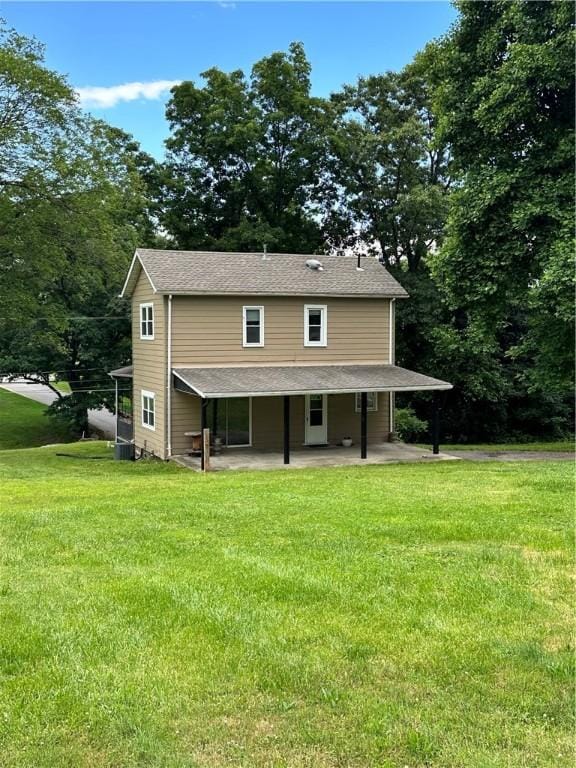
(203, 426)
(286, 429)
(215, 418)
(363, 425)
(435, 423)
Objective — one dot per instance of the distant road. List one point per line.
(102, 419)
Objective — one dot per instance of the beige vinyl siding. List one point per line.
(268, 421)
(186, 417)
(344, 420)
(208, 329)
(149, 360)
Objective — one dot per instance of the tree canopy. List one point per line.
(72, 209)
(456, 171)
(504, 101)
(389, 176)
(244, 158)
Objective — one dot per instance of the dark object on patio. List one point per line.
(196, 441)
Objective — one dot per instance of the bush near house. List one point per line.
(408, 426)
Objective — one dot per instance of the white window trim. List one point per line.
(357, 403)
(246, 343)
(151, 396)
(323, 328)
(146, 305)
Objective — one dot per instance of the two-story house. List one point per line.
(273, 351)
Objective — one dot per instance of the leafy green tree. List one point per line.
(244, 157)
(35, 105)
(505, 105)
(389, 175)
(71, 212)
(387, 192)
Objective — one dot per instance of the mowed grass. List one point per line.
(24, 423)
(401, 615)
(63, 386)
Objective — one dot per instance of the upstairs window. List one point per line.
(253, 323)
(315, 334)
(148, 410)
(371, 401)
(147, 321)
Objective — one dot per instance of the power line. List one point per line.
(70, 317)
(55, 383)
(76, 391)
(93, 389)
(64, 370)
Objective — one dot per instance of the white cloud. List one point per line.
(226, 5)
(109, 96)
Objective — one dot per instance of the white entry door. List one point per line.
(316, 420)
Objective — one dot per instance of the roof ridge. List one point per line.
(259, 254)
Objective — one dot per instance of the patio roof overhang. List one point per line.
(278, 380)
(122, 373)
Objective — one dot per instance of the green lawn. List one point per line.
(23, 423)
(562, 446)
(63, 386)
(401, 615)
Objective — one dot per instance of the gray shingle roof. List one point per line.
(303, 379)
(279, 274)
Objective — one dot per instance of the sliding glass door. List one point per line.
(229, 419)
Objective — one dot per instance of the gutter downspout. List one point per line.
(116, 410)
(392, 360)
(169, 381)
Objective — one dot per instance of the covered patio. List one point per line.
(287, 385)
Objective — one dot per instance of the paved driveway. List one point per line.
(512, 455)
(101, 419)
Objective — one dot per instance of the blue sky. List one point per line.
(108, 44)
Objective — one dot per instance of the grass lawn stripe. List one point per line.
(359, 616)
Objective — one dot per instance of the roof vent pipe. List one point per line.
(264, 252)
(358, 267)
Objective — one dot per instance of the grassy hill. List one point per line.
(413, 615)
(24, 423)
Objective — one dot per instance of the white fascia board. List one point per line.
(136, 256)
(306, 294)
(221, 395)
(183, 380)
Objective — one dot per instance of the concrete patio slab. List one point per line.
(326, 456)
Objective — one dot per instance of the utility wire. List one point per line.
(76, 391)
(65, 370)
(70, 317)
(53, 382)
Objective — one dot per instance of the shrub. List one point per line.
(408, 426)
